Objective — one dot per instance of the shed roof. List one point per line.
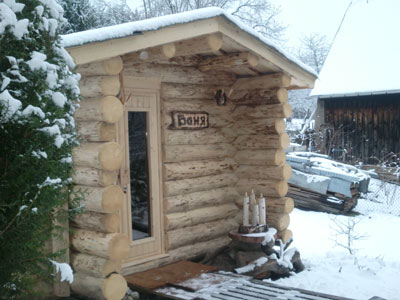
(102, 43)
(364, 58)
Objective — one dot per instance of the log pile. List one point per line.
(97, 247)
(321, 184)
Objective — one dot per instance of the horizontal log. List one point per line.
(269, 188)
(199, 137)
(200, 216)
(260, 126)
(192, 169)
(96, 131)
(199, 233)
(191, 185)
(178, 74)
(181, 153)
(214, 121)
(269, 157)
(188, 91)
(285, 235)
(267, 111)
(274, 205)
(276, 80)
(207, 105)
(107, 109)
(206, 44)
(259, 96)
(98, 199)
(111, 66)
(198, 249)
(281, 141)
(111, 288)
(99, 86)
(191, 201)
(104, 156)
(282, 172)
(227, 61)
(93, 177)
(94, 265)
(278, 221)
(114, 246)
(101, 222)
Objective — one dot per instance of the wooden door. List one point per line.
(139, 135)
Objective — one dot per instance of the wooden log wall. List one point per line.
(97, 247)
(366, 126)
(198, 166)
(261, 106)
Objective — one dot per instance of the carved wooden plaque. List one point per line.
(189, 120)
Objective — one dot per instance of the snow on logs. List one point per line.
(111, 288)
(103, 156)
(107, 109)
(114, 246)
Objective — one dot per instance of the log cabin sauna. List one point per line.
(177, 123)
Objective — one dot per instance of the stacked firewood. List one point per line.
(97, 246)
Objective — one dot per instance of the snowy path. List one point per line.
(373, 271)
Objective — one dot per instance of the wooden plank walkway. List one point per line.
(191, 281)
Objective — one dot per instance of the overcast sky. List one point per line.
(304, 17)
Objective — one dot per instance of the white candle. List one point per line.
(262, 210)
(246, 203)
(254, 220)
(252, 198)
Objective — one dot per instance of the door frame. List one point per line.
(150, 248)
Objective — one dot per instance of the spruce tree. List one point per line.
(37, 133)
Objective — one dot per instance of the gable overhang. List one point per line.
(302, 77)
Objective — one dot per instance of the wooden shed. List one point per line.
(179, 117)
(358, 90)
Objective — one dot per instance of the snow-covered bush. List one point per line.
(37, 133)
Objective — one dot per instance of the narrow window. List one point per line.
(139, 174)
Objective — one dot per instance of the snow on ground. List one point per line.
(374, 268)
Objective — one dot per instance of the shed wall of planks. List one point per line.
(366, 126)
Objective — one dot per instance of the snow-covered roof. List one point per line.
(139, 27)
(365, 55)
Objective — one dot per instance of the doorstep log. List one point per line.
(111, 288)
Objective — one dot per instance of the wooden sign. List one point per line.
(189, 120)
